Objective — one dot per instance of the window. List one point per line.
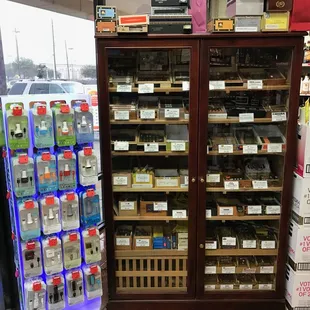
(56, 89)
(39, 88)
(73, 88)
(17, 89)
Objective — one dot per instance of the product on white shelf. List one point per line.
(66, 170)
(52, 255)
(84, 123)
(71, 250)
(35, 294)
(50, 214)
(32, 259)
(303, 151)
(91, 245)
(55, 289)
(305, 85)
(70, 211)
(88, 167)
(75, 286)
(93, 283)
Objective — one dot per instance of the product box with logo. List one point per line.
(244, 7)
(303, 151)
(275, 21)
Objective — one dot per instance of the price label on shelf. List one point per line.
(231, 185)
(268, 244)
(266, 269)
(274, 148)
(229, 241)
(142, 243)
(260, 184)
(229, 269)
(246, 117)
(185, 86)
(127, 205)
(146, 88)
(210, 269)
(120, 181)
(250, 149)
(147, 114)
(278, 116)
(123, 241)
(178, 146)
(208, 213)
(249, 244)
(217, 85)
(121, 146)
(121, 115)
(246, 286)
(211, 245)
(213, 178)
(209, 287)
(167, 182)
(226, 286)
(124, 88)
(142, 178)
(151, 147)
(226, 148)
(255, 84)
(265, 287)
(172, 113)
(226, 211)
(179, 214)
(273, 210)
(186, 180)
(255, 210)
(160, 206)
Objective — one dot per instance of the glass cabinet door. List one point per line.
(150, 110)
(248, 102)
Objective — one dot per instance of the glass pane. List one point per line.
(149, 112)
(248, 107)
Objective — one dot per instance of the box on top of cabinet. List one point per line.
(279, 5)
(275, 21)
(244, 7)
(247, 23)
(303, 151)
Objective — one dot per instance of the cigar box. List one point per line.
(275, 21)
(103, 26)
(244, 7)
(123, 238)
(221, 25)
(142, 239)
(247, 23)
(279, 5)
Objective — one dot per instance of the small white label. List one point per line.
(273, 210)
(146, 89)
(160, 206)
(230, 269)
(231, 185)
(210, 269)
(121, 115)
(127, 205)
(278, 116)
(265, 286)
(272, 26)
(121, 146)
(246, 117)
(213, 178)
(142, 243)
(260, 184)
(209, 287)
(185, 86)
(167, 182)
(179, 214)
(123, 241)
(172, 113)
(249, 244)
(246, 29)
(226, 148)
(246, 287)
(151, 147)
(215, 85)
(226, 286)
(255, 210)
(249, 270)
(124, 88)
(49, 253)
(274, 148)
(255, 84)
(250, 149)
(268, 244)
(185, 180)
(208, 213)
(211, 245)
(142, 178)
(229, 241)
(178, 146)
(266, 269)
(120, 180)
(147, 114)
(226, 211)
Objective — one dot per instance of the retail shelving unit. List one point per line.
(198, 136)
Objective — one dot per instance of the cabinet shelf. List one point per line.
(136, 153)
(156, 90)
(149, 253)
(245, 270)
(235, 120)
(244, 218)
(150, 122)
(148, 218)
(244, 88)
(245, 189)
(216, 153)
(118, 189)
(242, 252)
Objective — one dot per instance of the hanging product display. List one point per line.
(88, 167)
(52, 255)
(84, 120)
(50, 214)
(91, 245)
(35, 294)
(71, 250)
(32, 259)
(66, 165)
(55, 289)
(93, 282)
(70, 211)
(75, 286)
(90, 207)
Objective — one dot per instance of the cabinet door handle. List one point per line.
(201, 245)
(193, 180)
(202, 180)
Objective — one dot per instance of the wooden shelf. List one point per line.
(137, 153)
(244, 218)
(235, 120)
(244, 189)
(147, 218)
(244, 88)
(216, 153)
(244, 270)
(149, 253)
(152, 291)
(150, 122)
(241, 252)
(156, 90)
(118, 189)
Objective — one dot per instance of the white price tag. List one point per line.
(246, 117)
(250, 149)
(146, 89)
(209, 287)
(266, 269)
(142, 178)
(186, 180)
(49, 253)
(255, 210)
(278, 116)
(208, 213)
(274, 148)
(246, 287)
(268, 244)
(185, 86)
(210, 269)
(213, 178)
(172, 113)
(229, 269)
(178, 146)
(226, 148)
(160, 206)
(260, 184)
(229, 241)
(255, 84)
(273, 210)
(226, 286)
(127, 205)
(123, 241)
(147, 114)
(121, 146)
(179, 214)
(249, 244)
(124, 88)
(265, 286)
(120, 181)
(167, 182)
(151, 147)
(247, 29)
(121, 115)
(142, 243)
(249, 270)
(226, 211)
(217, 85)
(231, 185)
(211, 245)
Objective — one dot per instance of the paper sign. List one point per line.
(208, 213)
(226, 148)
(246, 117)
(278, 116)
(213, 178)
(179, 214)
(147, 114)
(210, 270)
(124, 88)
(273, 210)
(226, 286)
(260, 184)
(120, 181)
(146, 89)
(212, 245)
(268, 244)
(209, 287)
(123, 241)
(178, 146)
(246, 287)
(249, 244)
(229, 241)
(160, 206)
(142, 242)
(121, 146)
(121, 115)
(254, 209)
(172, 113)
(167, 182)
(127, 205)
(231, 185)
(265, 286)
(274, 148)
(185, 86)
(250, 149)
(217, 85)
(151, 147)
(226, 211)
(228, 269)
(266, 269)
(255, 84)
(142, 178)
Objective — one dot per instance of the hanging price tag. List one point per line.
(260, 184)
(217, 85)
(246, 117)
(121, 146)
(147, 114)
(278, 116)
(250, 149)
(124, 88)
(151, 147)
(185, 86)
(121, 115)
(179, 214)
(146, 89)
(231, 185)
(178, 146)
(255, 84)
(226, 148)
(274, 148)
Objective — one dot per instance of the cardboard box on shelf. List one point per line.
(275, 21)
(244, 7)
(303, 151)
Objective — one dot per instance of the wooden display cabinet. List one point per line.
(242, 80)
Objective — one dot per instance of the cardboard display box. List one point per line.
(244, 7)
(303, 151)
